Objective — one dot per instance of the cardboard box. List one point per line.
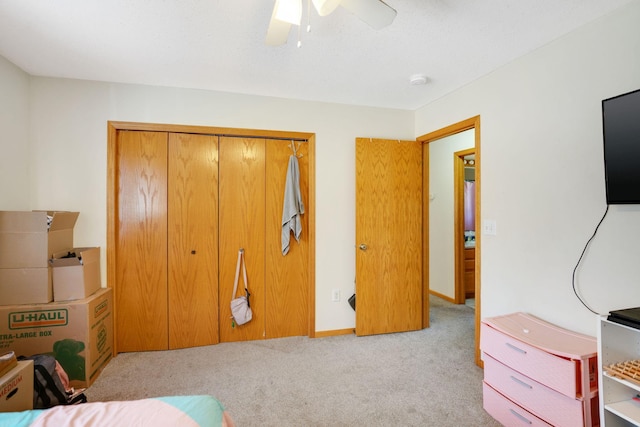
(77, 277)
(27, 242)
(25, 286)
(16, 388)
(79, 334)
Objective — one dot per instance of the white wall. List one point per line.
(541, 153)
(441, 211)
(542, 174)
(69, 131)
(14, 138)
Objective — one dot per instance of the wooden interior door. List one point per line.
(242, 225)
(388, 236)
(192, 240)
(287, 293)
(141, 242)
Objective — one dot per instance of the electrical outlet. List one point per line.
(335, 295)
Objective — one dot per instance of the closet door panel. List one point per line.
(242, 225)
(141, 253)
(192, 240)
(287, 290)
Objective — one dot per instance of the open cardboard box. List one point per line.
(75, 277)
(27, 242)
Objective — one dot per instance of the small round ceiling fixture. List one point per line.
(418, 79)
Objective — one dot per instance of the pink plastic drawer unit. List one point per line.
(506, 412)
(558, 409)
(556, 372)
(546, 370)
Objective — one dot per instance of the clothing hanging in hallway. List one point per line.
(469, 205)
(293, 206)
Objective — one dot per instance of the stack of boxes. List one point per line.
(51, 299)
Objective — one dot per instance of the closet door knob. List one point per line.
(193, 252)
(362, 247)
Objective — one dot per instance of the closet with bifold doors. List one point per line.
(182, 201)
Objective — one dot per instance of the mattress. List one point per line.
(171, 411)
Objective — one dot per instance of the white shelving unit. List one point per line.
(616, 344)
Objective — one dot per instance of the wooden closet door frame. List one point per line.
(112, 192)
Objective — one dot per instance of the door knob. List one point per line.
(362, 247)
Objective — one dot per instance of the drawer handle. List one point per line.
(513, 347)
(522, 383)
(520, 416)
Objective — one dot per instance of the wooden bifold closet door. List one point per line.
(166, 255)
(242, 225)
(184, 204)
(286, 277)
(192, 231)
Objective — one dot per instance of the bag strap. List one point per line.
(81, 398)
(51, 386)
(244, 272)
(42, 400)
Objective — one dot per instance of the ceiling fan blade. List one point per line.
(376, 13)
(288, 10)
(278, 31)
(325, 7)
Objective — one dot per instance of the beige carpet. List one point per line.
(422, 378)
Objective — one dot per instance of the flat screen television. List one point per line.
(621, 138)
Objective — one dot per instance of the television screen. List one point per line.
(621, 136)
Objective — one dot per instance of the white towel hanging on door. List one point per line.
(293, 206)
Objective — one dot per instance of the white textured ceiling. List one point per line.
(219, 45)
